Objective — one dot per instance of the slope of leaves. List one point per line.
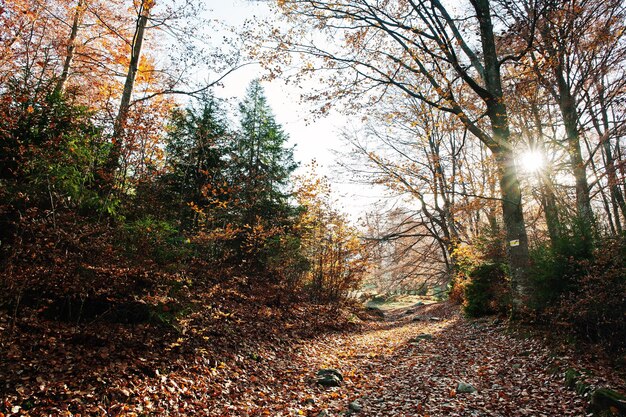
(100, 333)
(243, 354)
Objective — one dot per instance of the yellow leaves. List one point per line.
(145, 70)
(218, 314)
(177, 343)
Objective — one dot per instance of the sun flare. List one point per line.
(532, 161)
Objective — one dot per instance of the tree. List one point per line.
(261, 163)
(143, 10)
(196, 146)
(574, 46)
(338, 258)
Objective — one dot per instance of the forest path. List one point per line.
(388, 372)
(409, 362)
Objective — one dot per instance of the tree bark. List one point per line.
(516, 237)
(513, 215)
(113, 162)
(71, 46)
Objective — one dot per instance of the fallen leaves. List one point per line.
(257, 367)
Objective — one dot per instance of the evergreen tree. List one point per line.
(260, 166)
(261, 162)
(196, 146)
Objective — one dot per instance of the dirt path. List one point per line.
(388, 375)
(386, 372)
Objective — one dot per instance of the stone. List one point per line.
(330, 371)
(421, 337)
(465, 388)
(329, 377)
(607, 403)
(355, 406)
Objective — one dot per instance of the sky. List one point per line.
(313, 138)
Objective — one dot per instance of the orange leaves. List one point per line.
(339, 259)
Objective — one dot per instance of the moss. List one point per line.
(571, 378)
(607, 403)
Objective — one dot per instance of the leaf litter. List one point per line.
(247, 358)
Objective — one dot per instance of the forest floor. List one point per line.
(265, 363)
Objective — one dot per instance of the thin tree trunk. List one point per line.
(617, 198)
(71, 46)
(548, 199)
(569, 113)
(122, 115)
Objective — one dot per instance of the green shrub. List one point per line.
(49, 152)
(555, 269)
(485, 290)
(158, 239)
(595, 306)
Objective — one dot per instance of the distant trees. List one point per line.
(338, 257)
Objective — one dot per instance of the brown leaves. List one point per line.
(240, 357)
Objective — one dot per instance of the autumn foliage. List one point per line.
(160, 250)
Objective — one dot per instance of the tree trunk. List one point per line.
(517, 252)
(113, 161)
(617, 198)
(513, 214)
(71, 46)
(548, 199)
(567, 105)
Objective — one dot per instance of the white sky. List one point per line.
(314, 139)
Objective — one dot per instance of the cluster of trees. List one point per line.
(455, 97)
(92, 133)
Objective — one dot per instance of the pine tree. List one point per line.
(261, 162)
(260, 168)
(196, 147)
